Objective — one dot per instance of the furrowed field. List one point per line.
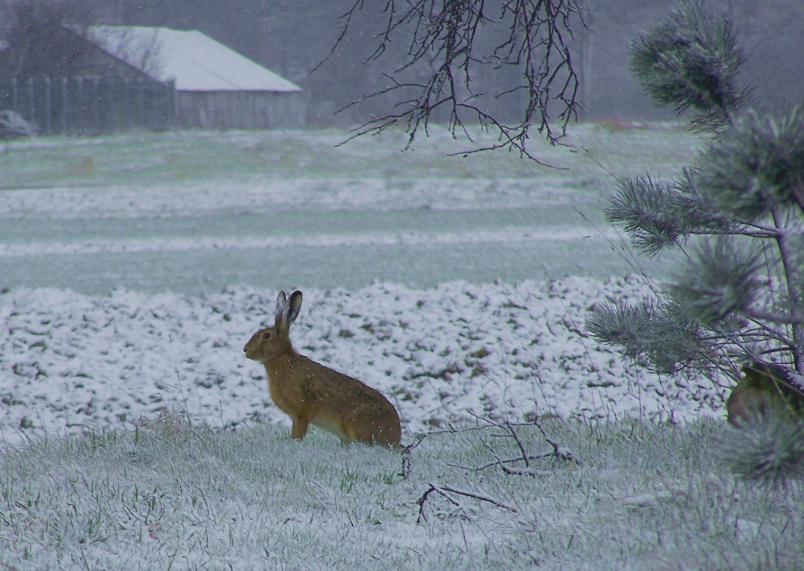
(135, 435)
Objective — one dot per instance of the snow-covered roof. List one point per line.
(194, 60)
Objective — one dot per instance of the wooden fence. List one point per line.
(78, 105)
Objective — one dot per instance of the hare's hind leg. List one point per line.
(300, 426)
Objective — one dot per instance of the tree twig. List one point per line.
(445, 492)
(444, 52)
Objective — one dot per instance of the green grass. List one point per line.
(186, 157)
(169, 494)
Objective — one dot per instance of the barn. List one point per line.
(216, 87)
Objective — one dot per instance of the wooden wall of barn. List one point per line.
(241, 109)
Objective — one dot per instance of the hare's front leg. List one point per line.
(300, 426)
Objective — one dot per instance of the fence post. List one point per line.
(111, 111)
(48, 109)
(115, 105)
(81, 107)
(127, 102)
(65, 113)
(173, 104)
(96, 106)
(141, 102)
(31, 106)
(14, 94)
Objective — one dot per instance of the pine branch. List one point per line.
(690, 61)
(657, 215)
(718, 282)
(656, 335)
(746, 190)
(792, 276)
(646, 209)
(756, 166)
(769, 449)
(700, 212)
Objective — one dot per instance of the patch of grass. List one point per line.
(206, 157)
(639, 496)
(615, 124)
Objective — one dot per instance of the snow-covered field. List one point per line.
(133, 269)
(452, 286)
(512, 351)
(197, 212)
(169, 495)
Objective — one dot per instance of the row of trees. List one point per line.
(53, 38)
(42, 38)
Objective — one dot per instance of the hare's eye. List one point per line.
(266, 335)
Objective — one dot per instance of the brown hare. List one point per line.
(312, 393)
(764, 386)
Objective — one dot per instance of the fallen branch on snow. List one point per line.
(445, 492)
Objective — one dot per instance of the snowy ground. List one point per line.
(512, 351)
(133, 269)
(195, 212)
(137, 266)
(640, 496)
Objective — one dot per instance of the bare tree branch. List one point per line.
(525, 43)
(141, 50)
(558, 452)
(445, 492)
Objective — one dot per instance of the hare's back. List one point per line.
(348, 394)
(364, 414)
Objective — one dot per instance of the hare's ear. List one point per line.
(294, 306)
(279, 311)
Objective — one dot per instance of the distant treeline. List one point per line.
(291, 37)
